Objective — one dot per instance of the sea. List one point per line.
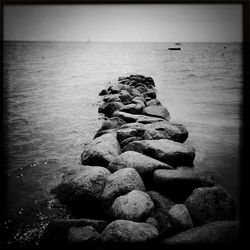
(50, 96)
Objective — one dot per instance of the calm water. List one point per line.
(51, 96)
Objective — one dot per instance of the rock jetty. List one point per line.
(138, 183)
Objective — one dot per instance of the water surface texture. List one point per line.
(51, 102)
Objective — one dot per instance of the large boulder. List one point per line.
(162, 205)
(57, 231)
(121, 182)
(101, 150)
(218, 232)
(209, 204)
(180, 217)
(81, 190)
(157, 111)
(144, 165)
(179, 183)
(108, 108)
(134, 206)
(124, 231)
(170, 152)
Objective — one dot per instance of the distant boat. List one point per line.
(174, 48)
(177, 43)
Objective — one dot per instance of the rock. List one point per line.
(101, 150)
(124, 231)
(180, 217)
(103, 92)
(126, 116)
(128, 140)
(144, 165)
(138, 79)
(150, 94)
(56, 233)
(77, 235)
(178, 184)
(154, 102)
(103, 132)
(132, 108)
(148, 119)
(152, 221)
(125, 96)
(138, 101)
(134, 206)
(125, 133)
(219, 232)
(122, 78)
(157, 111)
(170, 152)
(137, 75)
(161, 207)
(142, 89)
(167, 130)
(148, 81)
(120, 183)
(111, 123)
(109, 108)
(81, 190)
(209, 204)
(139, 98)
(112, 98)
(135, 92)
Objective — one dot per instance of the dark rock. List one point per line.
(180, 217)
(142, 89)
(125, 96)
(109, 108)
(144, 165)
(125, 133)
(56, 233)
(178, 184)
(209, 204)
(157, 111)
(154, 102)
(132, 108)
(124, 231)
(150, 94)
(79, 235)
(128, 140)
(170, 152)
(112, 98)
(152, 221)
(137, 75)
(103, 132)
(120, 183)
(218, 232)
(113, 122)
(161, 207)
(82, 189)
(134, 206)
(138, 79)
(101, 150)
(148, 81)
(103, 92)
(136, 93)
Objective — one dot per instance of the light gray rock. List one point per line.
(135, 206)
(154, 102)
(111, 123)
(101, 150)
(180, 217)
(120, 183)
(209, 204)
(218, 232)
(157, 111)
(78, 235)
(170, 152)
(124, 231)
(132, 108)
(144, 165)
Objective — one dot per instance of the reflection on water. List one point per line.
(51, 96)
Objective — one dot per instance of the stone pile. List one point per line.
(138, 183)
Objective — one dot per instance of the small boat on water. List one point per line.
(174, 48)
(177, 43)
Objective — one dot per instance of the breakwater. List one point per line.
(137, 182)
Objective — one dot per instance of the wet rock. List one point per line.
(218, 232)
(132, 108)
(170, 152)
(144, 165)
(148, 81)
(134, 206)
(209, 204)
(56, 233)
(149, 94)
(109, 108)
(157, 111)
(101, 150)
(120, 183)
(161, 207)
(154, 102)
(180, 217)
(103, 92)
(178, 184)
(86, 234)
(81, 190)
(124, 231)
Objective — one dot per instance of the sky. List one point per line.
(124, 23)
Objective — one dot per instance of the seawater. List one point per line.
(51, 102)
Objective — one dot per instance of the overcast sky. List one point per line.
(182, 23)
